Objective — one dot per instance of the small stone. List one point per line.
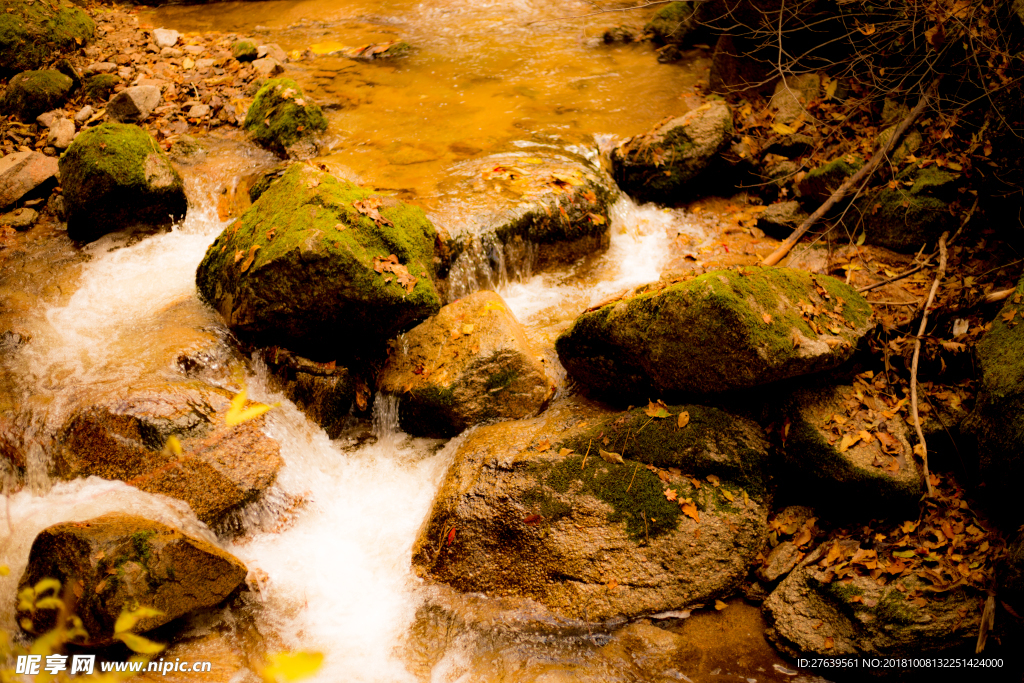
(47, 119)
(134, 104)
(244, 51)
(165, 37)
(22, 172)
(171, 52)
(101, 68)
(204, 63)
(61, 133)
(199, 111)
(84, 114)
(19, 219)
(780, 562)
(195, 49)
(272, 50)
(268, 66)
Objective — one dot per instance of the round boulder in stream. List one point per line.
(119, 562)
(322, 267)
(660, 165)
(124, 437)
(599, 515)
(727, 329)
(283, 119)
(116, 177)
(468, 364)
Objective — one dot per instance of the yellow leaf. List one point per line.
(137, 643)
(659, 409)
(127, 620)
(830, 89)
(690, 510)
(865, 436)
(173, 446)
(719, 605)
(236, 415)
(713, 480)
(728, 495)
(467, 329)
(4, 570)
(783, 129)
(848, 440)
(564, 452)
(767, 318)
(919, 450)
(953, 166)
(287, 666)
(866, 29)
(326, 48)
(249, 259)
(611, 457)
(684, 419)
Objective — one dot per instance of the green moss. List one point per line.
(244, 51)
(140, 542)
(844, 591)
(1001, 350)
(894, 608)
(635, 494)
(30, 33)
(501, 380)
(549, 507)
(821, 182)
(99, 87)
(116, 150)
(667, 24)
(281, 115)
(31, 93)
(902, 221)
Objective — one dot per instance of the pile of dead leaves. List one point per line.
(390, 264)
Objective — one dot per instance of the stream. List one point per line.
(333, 572)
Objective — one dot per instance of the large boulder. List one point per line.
(124, 436)
(669, 516)
(513, 214)
(118, 562)
(913, 213)
(468, 364)
(820, 183)
(662, 165)
(848, 449)
(31, 32)
(282, 116)
(997, 423)
(115, 177)
(22, 172)
(727, 329)
(31, 93)
(322, 267)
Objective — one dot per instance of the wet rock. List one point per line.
(282, 115)
(325, 392)
(61, 134)
(876, 475)
(468, 364)
(268, 67)
(780, 561)
(31, 93)
(24, 172)
(117, 562)
(518, 516)
(98, 88)
(655, 654)
(307, 268)
(244, 51)
(792, 95)
(723, 330)
(814, 613)
(913, 214)
(552, 209)
(820, 183)
(670, 23)
(780, 219)
(19, 219)
(997, 423)
(187, 150)
(134, 103)
(124, 435)
(116, 177)
(618, 34)
(34, 32)
(165, 37)
(663, 164)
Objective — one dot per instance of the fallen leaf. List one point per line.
(564, 452)
(690, 510)
(543, 446)
(713, 480)
(829, 643)
(252, 257)
(613, 584)
(450, 537)
(670, 494)
(532, 519)
(783, 129)
(767, 318)
(728, 495)
(719, 605)
(684, 419)
(610, 457)
(659, 409)
(369, 208)
(848, 440)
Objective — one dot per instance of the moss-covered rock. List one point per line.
(281, 116)
(118, 562)
(669, 24)
(820, 183)
(662, 164)
(116, 177)
(31, 93)
(244, 51)
(468, 364)
(531, 509)
(724, 330)
(31, 32)
(876, 475)
(910, 216)
(814, 613)
(997, 423)
(99, 87)
(122, 437)
(307, 268)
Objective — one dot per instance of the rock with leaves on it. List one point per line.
(727, 329)
(600, 515)
(116, 177)
(31, 93)
(124, 436)
(997, 423)
(31, 33)
(322, 267)
(663, 164)
(912, 214)
(848, 450)
(820, 183)
(119, 562)
(468, 364)
(283, 119)
(507, 214)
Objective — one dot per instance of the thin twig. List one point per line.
(939, 274)
(861, 175)
(894, 278)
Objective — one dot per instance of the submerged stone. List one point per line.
(282, 116)
(117, 562)
(468, 364)
(727, 329)
(116, 177)
(533, 509)
(322, 267)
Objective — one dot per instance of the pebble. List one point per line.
(101, 68)
(195, 49)
(204, 63)
(165, 37)
(61, 133)
(268, 66)
(47, 119)
(134, 104)
(272, 50)
(199, 111)
(84, 114)
(171, 52)
(19, 219)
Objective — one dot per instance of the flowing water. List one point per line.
(333, 571)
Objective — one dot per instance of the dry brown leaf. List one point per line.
(610, 457)
(369, 208)
(670, 494)
(690, 510)
(249, 259)
(684, 419)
